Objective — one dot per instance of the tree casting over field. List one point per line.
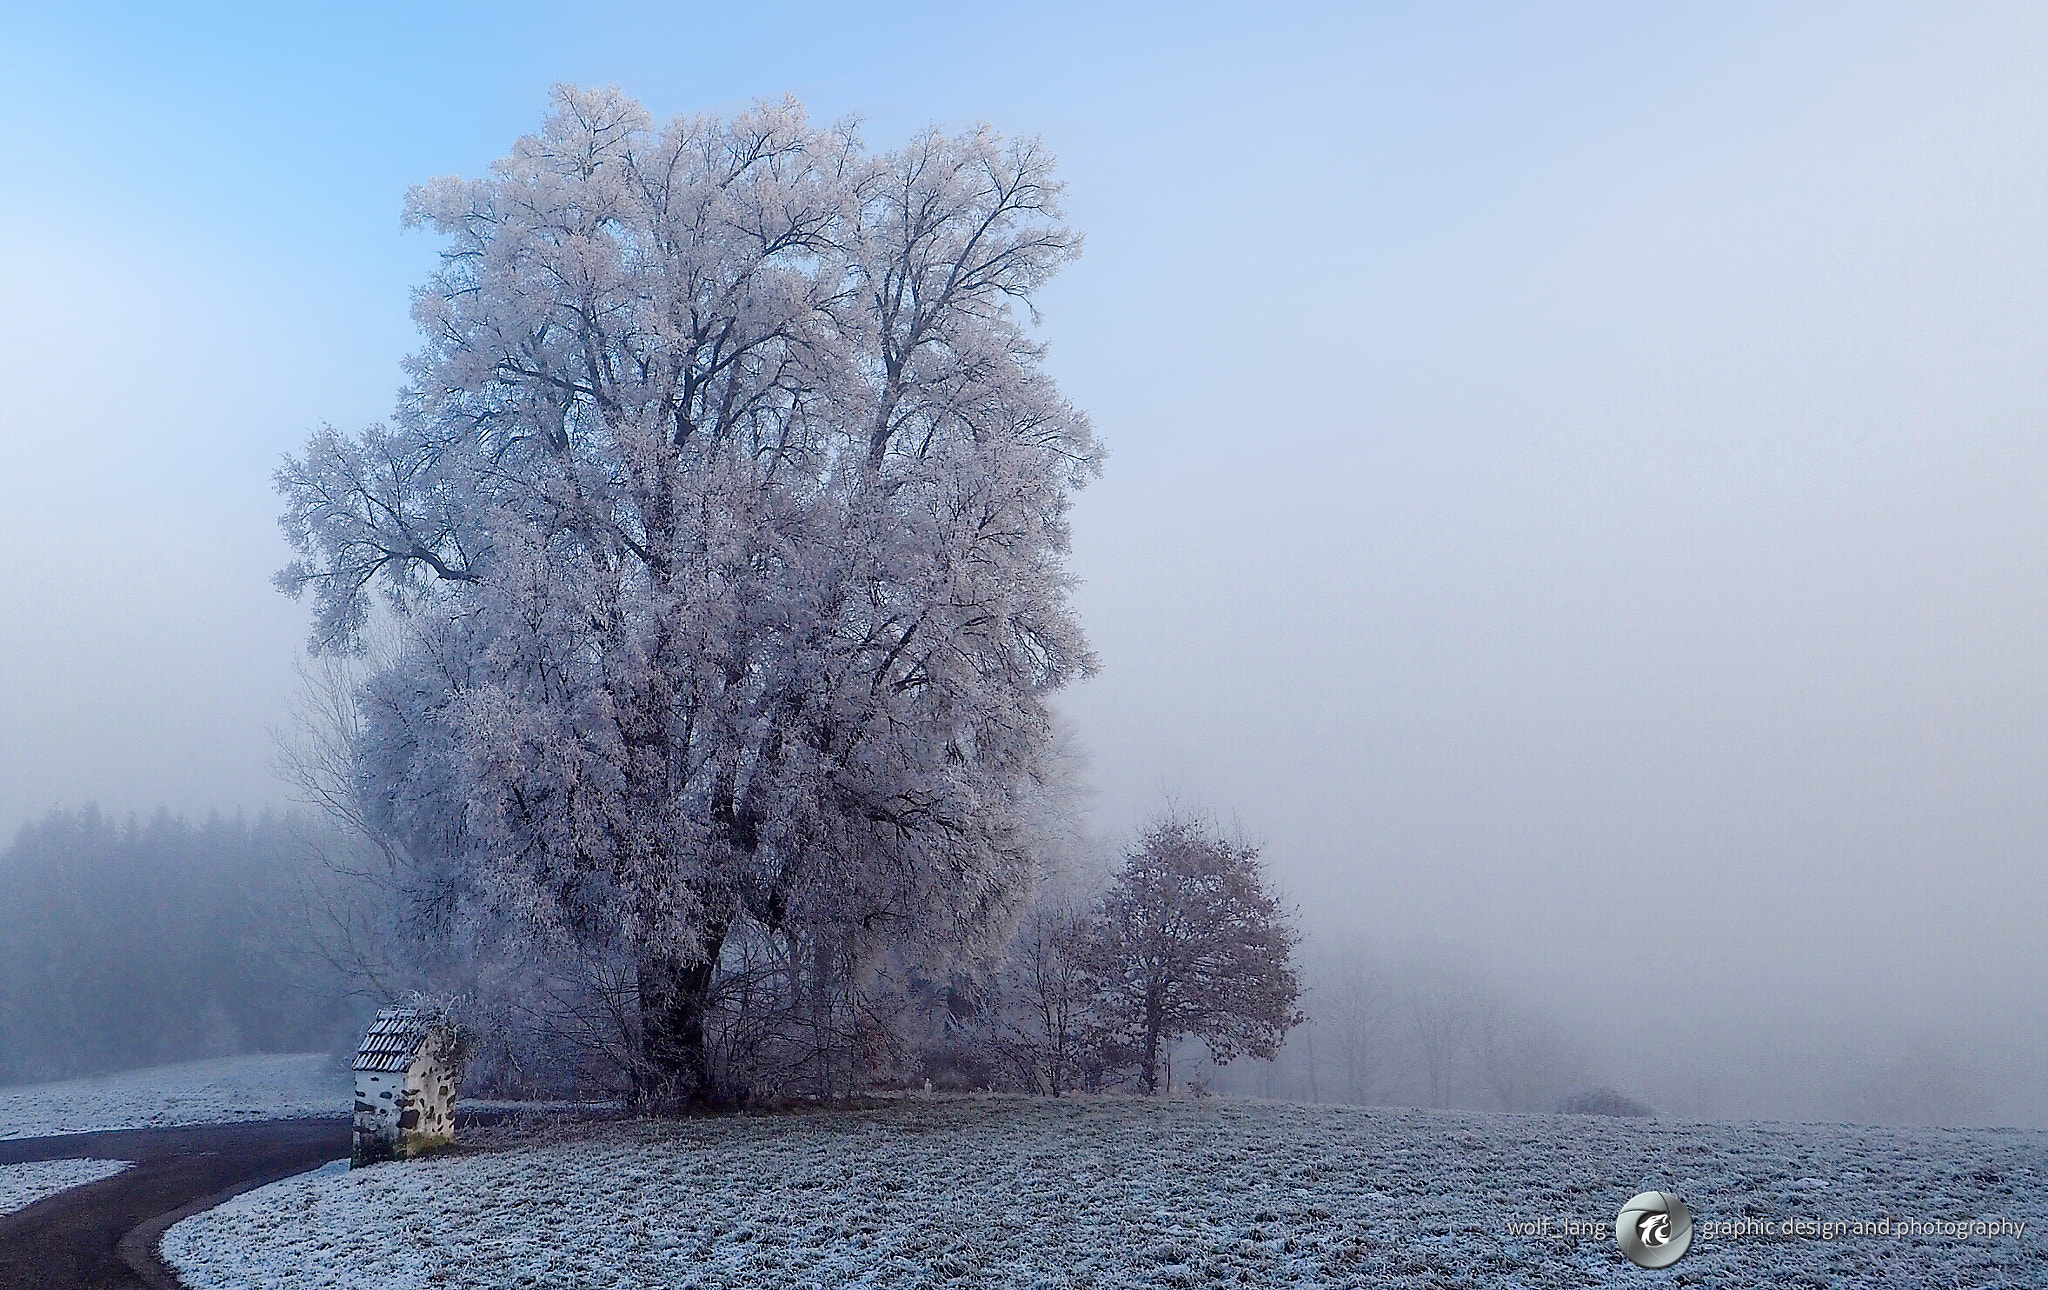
(720, 543)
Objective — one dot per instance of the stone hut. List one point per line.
(405, 1085)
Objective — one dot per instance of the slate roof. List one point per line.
(394, 1039)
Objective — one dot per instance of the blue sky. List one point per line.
(202, 238)
(1551, 445)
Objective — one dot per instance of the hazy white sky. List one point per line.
(1577, 490)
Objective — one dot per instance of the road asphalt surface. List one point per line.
(103, 1236)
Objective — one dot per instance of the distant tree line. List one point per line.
(138, 942)
(1423, 1029)
(1427, 1028)
(134, 942)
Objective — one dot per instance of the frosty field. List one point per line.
(24, 1185)
(263, 1087)
(1015, 1192)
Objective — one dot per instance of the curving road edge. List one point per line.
(103, 1236)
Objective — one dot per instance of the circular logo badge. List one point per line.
(1654, 1229)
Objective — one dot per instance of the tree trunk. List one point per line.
(674, 1060)
(1151, 1060)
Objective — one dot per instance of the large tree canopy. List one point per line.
(722, 530)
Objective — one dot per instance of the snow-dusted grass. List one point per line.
(24, 1185)
(1011, 1192)
(267, 1087)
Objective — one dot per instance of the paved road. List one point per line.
(103, 1236)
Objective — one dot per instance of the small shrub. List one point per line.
(1604, 1101)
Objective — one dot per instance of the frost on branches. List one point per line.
(722, 541)
(1184, 942)
(1188, 942)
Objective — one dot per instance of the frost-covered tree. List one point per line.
(1042, 1024)
(1523, 1059)
(1189, 943)
(722, 535)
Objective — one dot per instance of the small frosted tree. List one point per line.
(722, 539)
(1043, 993)
(1189, 943)
(1354, 1008)
(1444, 1006)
